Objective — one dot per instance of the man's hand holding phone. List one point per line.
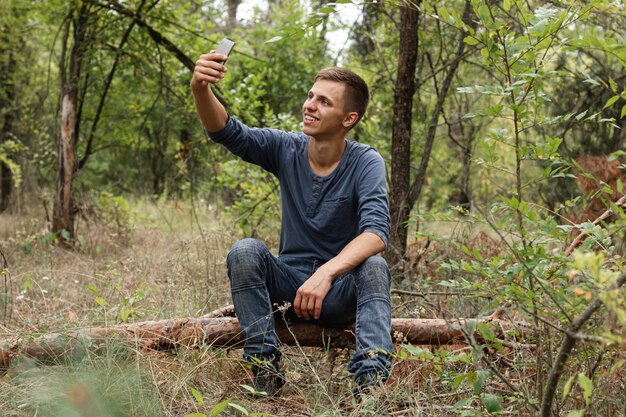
(209, 68)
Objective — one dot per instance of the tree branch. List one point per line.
(567, 345)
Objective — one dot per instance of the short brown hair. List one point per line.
(357, 94)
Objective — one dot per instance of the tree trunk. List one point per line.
(418, 183)
(63, 212)
(7, 97)
(401, 131)
(232, 6)
(225, 332)
(403, 197)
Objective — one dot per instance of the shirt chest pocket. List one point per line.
(335, 215)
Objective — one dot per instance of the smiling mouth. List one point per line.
(309, 118)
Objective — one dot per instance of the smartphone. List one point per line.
(225, 46)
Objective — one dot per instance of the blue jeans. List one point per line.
(261, 283)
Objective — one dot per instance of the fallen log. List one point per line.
(224, 332)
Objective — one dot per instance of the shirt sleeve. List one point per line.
(259, 146)
(373, 206)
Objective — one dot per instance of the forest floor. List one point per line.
(168, 261)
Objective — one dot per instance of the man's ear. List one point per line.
(350, 119)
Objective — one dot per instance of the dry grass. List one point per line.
(170, 262)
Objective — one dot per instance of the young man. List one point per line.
(335, 219)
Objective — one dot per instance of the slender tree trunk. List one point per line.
(63, 212)
(6, 102)
(401, 131)
(403, 197)
(232, 6)
(418, 183)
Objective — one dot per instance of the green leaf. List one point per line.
(100, 301)
(623, 112)
(470, 40)
(613, 156)
(462, 403)
(195, 415)
(248, 388)
(568, 387)
(613, 85)
(219, 408)
(611, 101)
(198, 397)
(576, 413)
(274, 39)
(492, 403)
(616, 366)
(587, 386)
(327, 10)
(239, 408)
(445, 15)
(457, 380)
(581, 115)
(478, 379)
(486, 332)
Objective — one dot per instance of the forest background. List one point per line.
(502, 124)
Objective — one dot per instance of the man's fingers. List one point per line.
(310, 309)
(296, 305)
(318, 309)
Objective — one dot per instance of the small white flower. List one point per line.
(45, 278)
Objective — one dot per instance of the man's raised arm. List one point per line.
(209, 70)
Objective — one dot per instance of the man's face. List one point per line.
(323, 112)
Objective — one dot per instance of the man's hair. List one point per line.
(357, 95)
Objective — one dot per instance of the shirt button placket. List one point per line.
(315, 195)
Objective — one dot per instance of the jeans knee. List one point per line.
(245, 259)
(244, 250)
(373, 276)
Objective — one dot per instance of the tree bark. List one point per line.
(7, 98)
(232, 6)
(225, 332)
(401, 131)
(63, 211)
(403, 197)
(418, 183)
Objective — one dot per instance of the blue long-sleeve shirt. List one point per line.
(320, 215)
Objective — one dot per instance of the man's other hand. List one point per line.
(209, 69)
(311, 294)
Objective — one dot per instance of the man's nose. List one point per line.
(309, 105)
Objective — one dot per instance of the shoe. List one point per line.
(370, 396)
(268, 380)
(367, 384)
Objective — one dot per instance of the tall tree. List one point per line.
(403, 196)
(401, 130)
(75, 44)
(10, 42)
